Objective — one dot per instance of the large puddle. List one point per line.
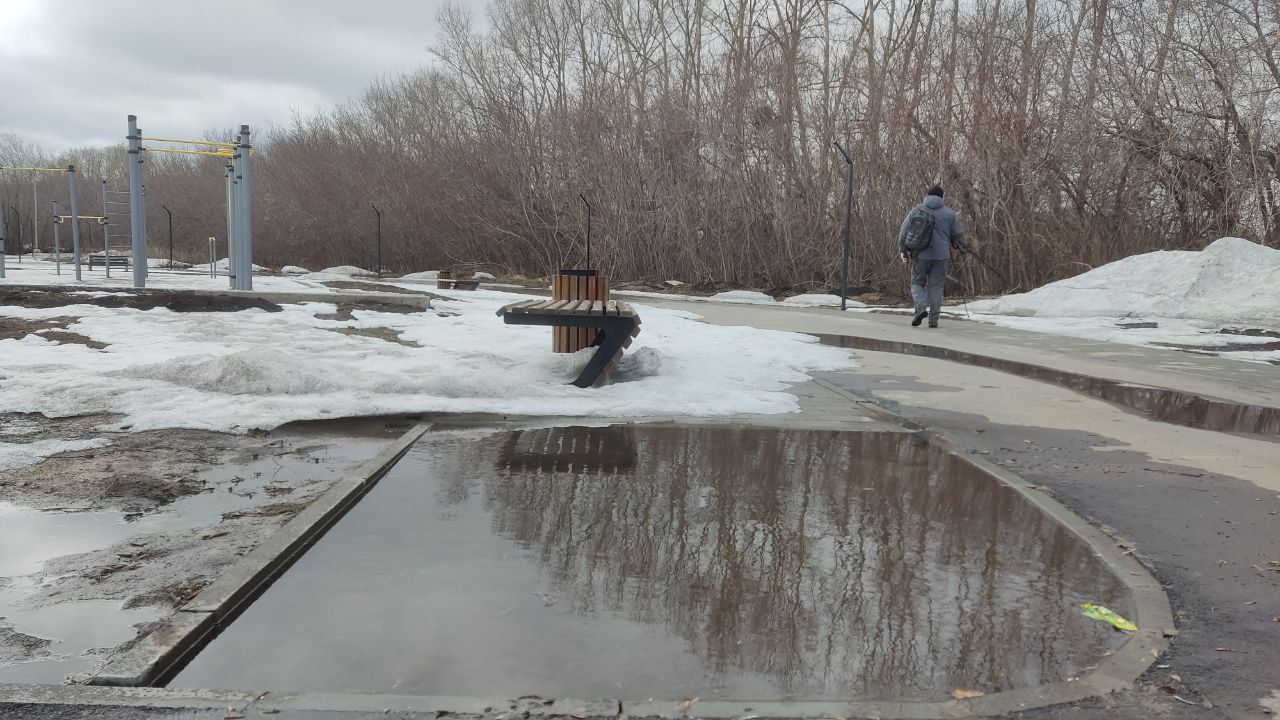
(638, 562)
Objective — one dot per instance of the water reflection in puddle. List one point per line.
(663, 562)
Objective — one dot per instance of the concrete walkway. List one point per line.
(1208, 376)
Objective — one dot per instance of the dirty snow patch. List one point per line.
(348, 270)
(19, 455)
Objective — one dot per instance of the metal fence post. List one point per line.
(57, 241)
(212, 249)
(106, 232)
(3, 217)
(35, 215)
(137, 213)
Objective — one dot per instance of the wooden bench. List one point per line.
(446, 281)
(617, 324)
(100, 259)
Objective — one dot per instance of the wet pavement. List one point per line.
(638, 562)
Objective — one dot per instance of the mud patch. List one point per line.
(162, 570)
(16, 647)
(137, 472)
(373, 287)
(34, 426)
(175, 300)
(52, 329)
(346, 310)
(378, 333)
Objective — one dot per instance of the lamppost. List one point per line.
(379, 214)
(584, 202)
(166, 212)
(848, 214)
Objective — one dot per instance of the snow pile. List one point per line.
(349, 271)
(672, 283)
(223, 266)
(1231, 281)
(482, 276)
(425, 275)
(235, 371)
(164, 263)
(820, 300)
(293, 270)
(743, 296)
(17, 455)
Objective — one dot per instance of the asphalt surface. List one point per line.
(1208, 538)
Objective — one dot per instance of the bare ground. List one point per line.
(141, 473)
(137, 472)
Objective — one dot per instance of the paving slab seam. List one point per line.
(177, 638)
(1168, 405)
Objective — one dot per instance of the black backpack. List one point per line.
(919, 229)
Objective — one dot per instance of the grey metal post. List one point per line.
(35, 214)
(137, 213)
(165, 208)
(588, 204)
(75, 219)
(232, 189)
(379, 214)
(3, 217)
(848, 216)
(212, 248)
(106, 232)
(57, 241)
(244, 277)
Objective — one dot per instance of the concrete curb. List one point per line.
(178, 637)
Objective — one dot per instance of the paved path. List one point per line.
(1215, 377)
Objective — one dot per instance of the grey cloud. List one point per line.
(70, 71)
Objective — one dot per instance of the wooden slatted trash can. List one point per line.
(576, 285)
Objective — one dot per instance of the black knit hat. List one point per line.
(935, 190)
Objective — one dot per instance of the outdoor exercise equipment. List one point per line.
(70, 170)
(239, 199)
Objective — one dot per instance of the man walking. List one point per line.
(926, 238)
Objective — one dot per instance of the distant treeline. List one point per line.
(1068, 133)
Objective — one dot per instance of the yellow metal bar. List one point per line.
(192, 142)
(32, 169)
(214, 153)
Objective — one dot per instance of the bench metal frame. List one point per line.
(615, 333)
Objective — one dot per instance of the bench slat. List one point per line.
(516, 307)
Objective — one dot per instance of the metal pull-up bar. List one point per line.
(178, 151)
(239, 209)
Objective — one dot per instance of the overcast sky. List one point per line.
(72, 70)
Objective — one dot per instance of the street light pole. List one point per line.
(848, 215)
(166, 212)
(379, 214)
(584, 202)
